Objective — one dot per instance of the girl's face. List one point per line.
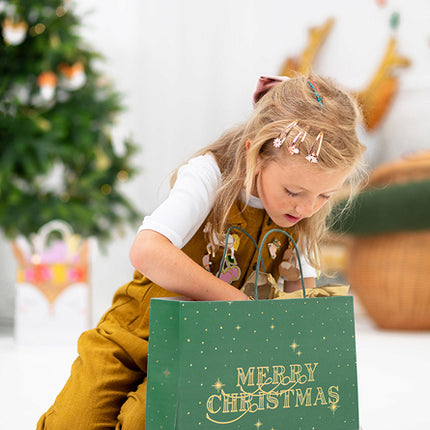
(291, 188)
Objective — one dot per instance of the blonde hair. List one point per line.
(286, 102)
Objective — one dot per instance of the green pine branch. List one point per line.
(57, 158)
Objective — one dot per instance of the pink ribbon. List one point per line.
(265, 83)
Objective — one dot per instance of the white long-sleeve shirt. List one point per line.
(190, 201)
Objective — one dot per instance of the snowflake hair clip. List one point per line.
(279, 141)
(312, 157)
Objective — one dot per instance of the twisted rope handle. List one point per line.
(233, 227)
(259, 260)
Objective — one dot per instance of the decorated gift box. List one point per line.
(52, 288)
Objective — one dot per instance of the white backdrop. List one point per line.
(187, 70)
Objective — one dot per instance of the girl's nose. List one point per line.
(306, 208)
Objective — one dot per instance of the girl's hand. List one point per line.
(153, 255)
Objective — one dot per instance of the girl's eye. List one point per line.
(325, 197)
(290, 193)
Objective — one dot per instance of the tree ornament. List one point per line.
(47, 82)
(73, 77)
(37, 29)
(14, 33)
(102, 161)
(61, 174)
(60, 11)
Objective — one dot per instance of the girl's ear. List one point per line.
(247, 145)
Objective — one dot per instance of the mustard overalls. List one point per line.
(107, 385)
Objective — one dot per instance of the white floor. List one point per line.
(393, 379)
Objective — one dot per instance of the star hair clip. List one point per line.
(312, 157)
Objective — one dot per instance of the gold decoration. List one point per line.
(102, 161)
(378, 95)
(39, 28)
(122, 175)
(61, 11)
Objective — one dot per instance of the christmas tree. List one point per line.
(57, 156)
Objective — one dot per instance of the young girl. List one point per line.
(280, 169)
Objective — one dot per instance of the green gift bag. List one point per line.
(262, 364)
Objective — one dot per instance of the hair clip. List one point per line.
(279, 141)
(312, 157)
(294, 148)
(316, 91)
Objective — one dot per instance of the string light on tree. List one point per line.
(37, 29)
(50, 85)
(61, 11)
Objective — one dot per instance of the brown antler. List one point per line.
(302, 65)
(376, 97)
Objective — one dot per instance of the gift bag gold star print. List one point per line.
(262, 364)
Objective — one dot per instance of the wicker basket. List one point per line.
(415, 167)
(390, 272)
